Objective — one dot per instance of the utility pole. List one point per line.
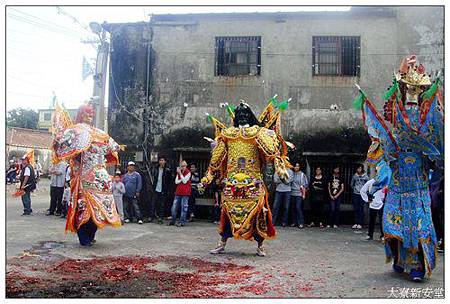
(100, 76)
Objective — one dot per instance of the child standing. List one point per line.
(118, 189)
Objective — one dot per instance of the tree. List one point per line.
(22, 118)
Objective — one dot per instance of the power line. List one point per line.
(43, 21)
(43, 26)
(74, 19)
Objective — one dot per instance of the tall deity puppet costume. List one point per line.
(88, 150)
(238, 155)
(405, 142)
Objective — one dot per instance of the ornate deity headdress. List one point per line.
(412, 74)
(85, 112)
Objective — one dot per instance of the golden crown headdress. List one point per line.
(412, 74)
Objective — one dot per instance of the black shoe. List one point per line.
(57, 213)
(170, 224)
(26, 213)
(180, 225)
(49, 213)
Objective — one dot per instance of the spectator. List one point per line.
(298, 194)
(182, 193)
(118, 190)
(375, 207)
(217, 192)
(27, 184)
(162, 179)
(358, 180)
(335, 190)
(38, 167)
(317, 197)
(282, 196)
(195, 180)
(11, 174)
(133, 184)
(57, 181)
(66, 195)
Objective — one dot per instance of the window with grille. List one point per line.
(336, 56)
(47, 116)
(238, 56)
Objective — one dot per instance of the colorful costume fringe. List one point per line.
(88, 150)
(403, 144)
(238, 157)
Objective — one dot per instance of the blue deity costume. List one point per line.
(405, 142)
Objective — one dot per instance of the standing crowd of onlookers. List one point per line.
(182, 185)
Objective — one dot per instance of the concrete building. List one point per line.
(165, 74)
(46, 117)
(19, 141)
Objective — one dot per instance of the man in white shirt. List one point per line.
(57, 181)
(376, 202)
(27, 184)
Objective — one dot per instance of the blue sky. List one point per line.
(45, 50)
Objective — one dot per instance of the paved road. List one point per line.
(331, 262)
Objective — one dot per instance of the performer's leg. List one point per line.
(86, 233)
(260, 240)
(418, 273)
(393, 246)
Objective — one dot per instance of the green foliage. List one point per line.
(22, 118)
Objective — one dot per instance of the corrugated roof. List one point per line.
(28, 138)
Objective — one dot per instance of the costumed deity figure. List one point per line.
(404, 144)
(238, 155)
(88, 150)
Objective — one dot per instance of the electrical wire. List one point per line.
(43, 21)
(43, 26)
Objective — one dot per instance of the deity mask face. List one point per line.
(85, 115)
(243, 115)
(412, 95)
